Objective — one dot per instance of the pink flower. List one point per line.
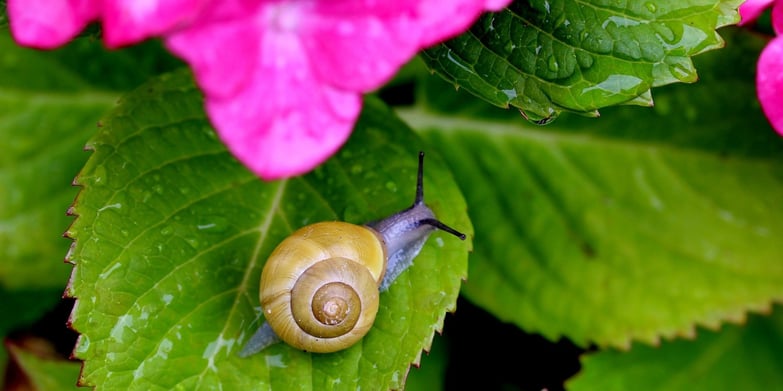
(769, 72)
(283, 79)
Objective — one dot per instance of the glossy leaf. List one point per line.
(50, 103)
(637, 226)
(743, 357)
(549, 56)
(172, 233)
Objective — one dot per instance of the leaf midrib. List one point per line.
(423, 121)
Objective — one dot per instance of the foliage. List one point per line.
(647, 235)
(580, 56)
(733, 358)
(175, 231)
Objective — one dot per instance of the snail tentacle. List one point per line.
(404, 233)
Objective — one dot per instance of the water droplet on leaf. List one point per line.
(99, 177)
(681, 72)
(539, 120)
(553, 64)
(213, 224)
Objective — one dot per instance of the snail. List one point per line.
(320, 286)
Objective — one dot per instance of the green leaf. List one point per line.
(736, 358)
(45, 373)
(46, 115)
(432, 370)
(3, 14)
(50, 103)
(638, 225)
(549, 56)
(172, 234)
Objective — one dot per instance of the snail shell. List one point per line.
(319, 287)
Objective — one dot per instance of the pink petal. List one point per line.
(777, 17)
(361, 45)
(751, 9)
(359, 50)
(769, 82)
(283, 79)
(222, 55)
(441, 23)
(47, 24)
(130, 21)
(284, 121)
(496, 5)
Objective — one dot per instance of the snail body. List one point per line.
(320, 287)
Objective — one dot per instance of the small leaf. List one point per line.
(743, 357)
(173, 232)
(637, 226)
(41, 373)
(549, 56)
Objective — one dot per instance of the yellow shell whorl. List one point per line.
(348, 254)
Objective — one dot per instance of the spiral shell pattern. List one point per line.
(319, 288)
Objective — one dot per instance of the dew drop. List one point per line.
(193, 242)
(552, 64)
(352, 214)
(560, 20)
(83, 346)
(391, 186)
(584, 59)
(99, 176)
(276, 361)
(681, 73)
(213, 224)
(536, 119)
(439, 241)
(111, 270)
(651, 7)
